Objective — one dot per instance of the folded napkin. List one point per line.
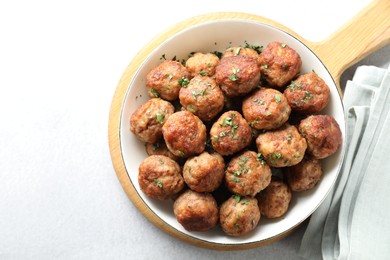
(354, 220)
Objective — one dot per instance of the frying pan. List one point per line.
(368, 31)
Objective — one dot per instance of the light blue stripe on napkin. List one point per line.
(354, 220)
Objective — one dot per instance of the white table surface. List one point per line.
(60, 63)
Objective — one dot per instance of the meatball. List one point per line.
(202, 97)
(185, 134)
(165, 80)
(230, 133)
(196, 211)
(237, 75)
(204, 173)
(239, 215)
(275, 199)
(266, 108)
(282, 147)
(303, 176)
(247, 174)
(159, 177)
(202, 64)
(308, 94)
(235, 51)
(323, 135)
(159, 148)
(147, 121)
(279, 64)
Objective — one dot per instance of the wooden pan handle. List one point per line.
(365, 33)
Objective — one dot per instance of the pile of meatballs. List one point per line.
(230, 138)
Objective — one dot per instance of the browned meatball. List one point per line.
(165, 80)
(239, 215)
(305, 175)
(204, 173)
(202, 64)
(185, 134)
(147, 121)
(247, 174)
(279, 64)
(308, 94)
(235, 51)
(323, 135)
(159, 148)
(275, 199)
(230, 133)
(159, 177)
(282, 147)
(237, 75)
(196, 211)
(266, 108)
(202, 97)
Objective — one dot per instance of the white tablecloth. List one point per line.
(60, 63)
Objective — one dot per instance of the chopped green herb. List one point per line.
(170, 76)
(236, 179)
(277, 98)
(268, 113)
(308, 96)
(154, 92)
(277, 155)
(260, 158)
(183, 82)
(227, 121)
(158, 183)
(284, 45)
(289, 137)
(265, 66)
(245, 202)
(160, 118)
(244, 159)
(202, 73)
(234, 76)
(195, 94)
(191, 108)
(222, 134)
(237, 172)
(237, 198)
(284, 67)
(293, 85)
(237, 51)
(257, 48)
(181, 153)
(216, 138)
(218, 54)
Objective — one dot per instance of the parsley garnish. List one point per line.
(160, 118)
(183, 82)
(237, 198)
(277, 98)
(234, 76)
(237, 51)
(154, 92)
(257, 48)
(158, 183)
(218, 54)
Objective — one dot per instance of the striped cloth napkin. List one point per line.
(354, 220)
